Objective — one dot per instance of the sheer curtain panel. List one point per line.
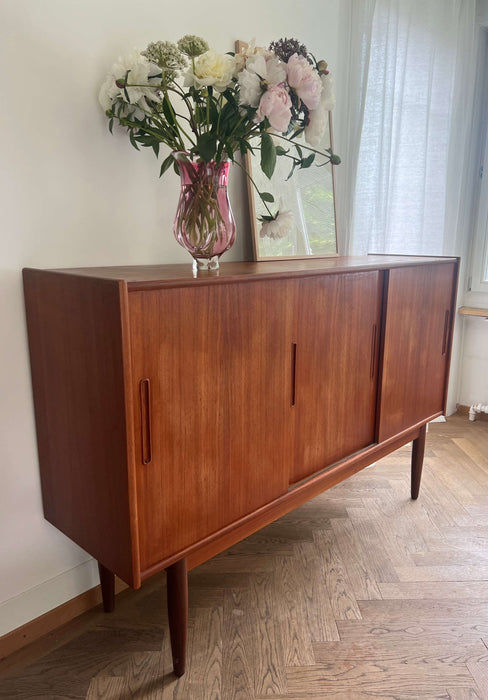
(415, 131)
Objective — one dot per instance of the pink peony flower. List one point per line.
(275, 104)
(304, 80)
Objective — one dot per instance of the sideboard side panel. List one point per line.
(76, 350)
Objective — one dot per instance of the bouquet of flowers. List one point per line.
(210, 107)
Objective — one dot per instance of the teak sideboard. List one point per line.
(178, 414)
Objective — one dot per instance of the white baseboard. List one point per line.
(48, 595)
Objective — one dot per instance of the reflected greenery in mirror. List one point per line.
(309, 198)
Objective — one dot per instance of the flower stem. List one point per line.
(255, 186)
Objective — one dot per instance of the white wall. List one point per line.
(473, 380)
(72, 195)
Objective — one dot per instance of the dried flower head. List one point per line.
(192, 45)
(285, 48)
(167, 56)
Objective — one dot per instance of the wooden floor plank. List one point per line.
(479, 671)
(423, 632)
(144, 673)
(107, 688)
(434, 590)
(268, 668)
(361, 574)
(237, 646)
(407, 652)
(294, 630)
(318, 613)
(342, 599)
(384, 676)
(463, 694)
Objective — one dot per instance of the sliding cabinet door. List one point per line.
(212, 382)
(337, 343)
(419, 315)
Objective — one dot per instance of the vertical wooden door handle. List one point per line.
(372, 365)
(145, 397)
(446, 332)
(293, 373)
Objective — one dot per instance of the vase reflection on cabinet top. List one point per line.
(212, 109)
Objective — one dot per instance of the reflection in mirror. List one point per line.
(308, 195)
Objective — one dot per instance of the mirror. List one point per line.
(309, 195)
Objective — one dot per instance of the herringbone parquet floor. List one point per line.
(360, 593)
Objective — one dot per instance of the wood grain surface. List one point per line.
(218, 361)
(416, 353)
(77, 353)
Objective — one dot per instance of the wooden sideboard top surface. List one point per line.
(156, 276)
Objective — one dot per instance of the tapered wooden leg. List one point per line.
(107, 582)
(418, 449)
(177, 583)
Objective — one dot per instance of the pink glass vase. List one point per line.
(204, 223)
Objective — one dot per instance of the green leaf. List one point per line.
(229, 96)
(307, 162)
(268, 155)
(295, 163)
(144, 139)
(155, 147)
(280, 151)
(266, 197)
(132, 140)
(168, 113)
(111, 125)
(213, 111)
(167, 163)
(199, 115)
(207, 145)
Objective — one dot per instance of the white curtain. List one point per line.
(351, 80)
(415, 128)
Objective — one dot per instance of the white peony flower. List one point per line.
(328, 92)
(249, 88)
(280, 227)
(259, 72)
(315, 129)
(211, 69)
(250, 50)
(141, 87)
